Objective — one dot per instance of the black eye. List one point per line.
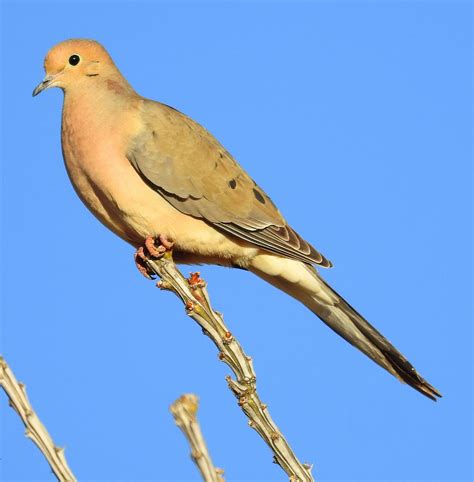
(74, 59)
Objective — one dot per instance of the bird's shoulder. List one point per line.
(183, 158)
(189, 167)
(163, 125)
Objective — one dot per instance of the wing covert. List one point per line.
(185, 164)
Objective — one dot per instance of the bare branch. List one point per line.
(184, 411)
(194, 295)
(35, 430)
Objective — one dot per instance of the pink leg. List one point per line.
(150, 249)
(165, 242)
(140, 263)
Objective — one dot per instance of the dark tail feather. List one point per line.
(349, 324)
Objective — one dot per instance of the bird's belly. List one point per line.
(113, 191)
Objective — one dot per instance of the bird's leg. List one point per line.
(140, 262)
(153, 250)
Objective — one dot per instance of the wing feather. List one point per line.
(186, 165)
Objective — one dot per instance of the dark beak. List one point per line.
(47, 81)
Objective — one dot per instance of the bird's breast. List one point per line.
(108, 184)
(93, 151)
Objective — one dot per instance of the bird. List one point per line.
(148, 171)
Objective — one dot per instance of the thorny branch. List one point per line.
(184, 411)
(35, 430)
(194, 295)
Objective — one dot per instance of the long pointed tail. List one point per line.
(303, 283)
(348, 323)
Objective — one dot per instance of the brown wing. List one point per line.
(184, 163)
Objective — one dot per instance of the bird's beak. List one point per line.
(45, 84)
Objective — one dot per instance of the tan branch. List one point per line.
(35, 430)
(194, 295)
(184, 411)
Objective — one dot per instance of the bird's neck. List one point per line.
(99, 99)
(108, 107)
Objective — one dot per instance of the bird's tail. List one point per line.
(309, 288)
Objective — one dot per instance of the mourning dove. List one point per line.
(145, 169)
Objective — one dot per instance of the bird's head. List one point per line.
(72, 61)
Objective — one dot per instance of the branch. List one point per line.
(184, 412)
(194, 295)
(35, 430)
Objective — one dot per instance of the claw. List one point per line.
(140, 263)
(150, 249)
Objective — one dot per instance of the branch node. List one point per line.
(227, 337)
(193, 293)
(196, 455)
(195, 281)
(164, 285)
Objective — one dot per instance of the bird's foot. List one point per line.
(158, 250)
(151, 249)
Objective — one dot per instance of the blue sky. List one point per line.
(356, 118)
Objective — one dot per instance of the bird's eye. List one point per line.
(74, 59)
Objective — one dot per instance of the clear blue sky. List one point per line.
(355, 117)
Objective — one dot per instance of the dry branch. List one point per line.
(35, 430)
(194, 295)
(184, 411)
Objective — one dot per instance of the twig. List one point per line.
(35, 430)
(184, 412)
(194, 295)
